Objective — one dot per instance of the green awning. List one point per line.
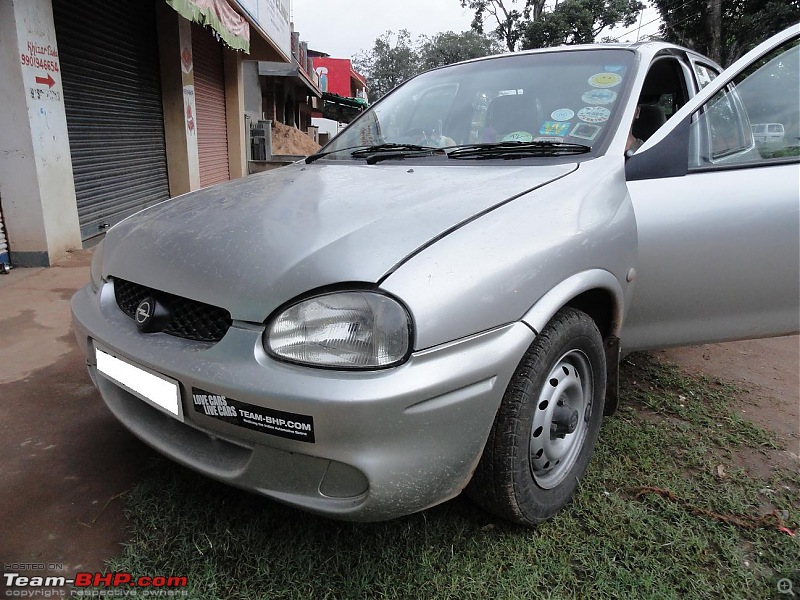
(357, 103)
(231, 27)
(341, 109)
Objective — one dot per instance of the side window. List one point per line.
(729, 131)
(663, 93)
(756, 119)
(705, 74)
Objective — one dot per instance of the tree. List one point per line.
(395, 58)
(506, 20)
(449, 47)
(579, 22)
(391, 61)
(724, 30)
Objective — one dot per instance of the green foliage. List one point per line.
(449, 47)
(741, 24)
(579, 22)
(395, 58)
(391, 61)
(502, 16)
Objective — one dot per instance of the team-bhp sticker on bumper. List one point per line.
(266, 420)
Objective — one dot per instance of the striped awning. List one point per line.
(229, 25)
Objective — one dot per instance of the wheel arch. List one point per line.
(596, 292)
(599, 294)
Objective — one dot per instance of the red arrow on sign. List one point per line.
(49, 81)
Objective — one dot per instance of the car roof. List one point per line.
(647, 49)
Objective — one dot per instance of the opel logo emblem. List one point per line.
(144, 312)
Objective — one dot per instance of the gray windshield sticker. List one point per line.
(585, 131)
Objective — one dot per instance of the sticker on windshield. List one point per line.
(599, 97)
(518, 136)
(614, 68)
(266, 420)
(554, 128)
(562, 114)
(585, 131)
(594, 114)
(604, 80)
(551, 139)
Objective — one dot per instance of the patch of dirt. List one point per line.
(67, 463)
(288, 140)
(769, 371)
(76, 259)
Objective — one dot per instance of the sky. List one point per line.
(342, 28)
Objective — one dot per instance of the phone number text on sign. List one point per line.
(38, 94)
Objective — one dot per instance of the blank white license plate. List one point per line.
(156, 389)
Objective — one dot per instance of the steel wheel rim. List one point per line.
(567, 388)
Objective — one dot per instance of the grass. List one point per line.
(672, 432)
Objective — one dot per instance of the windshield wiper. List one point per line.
(507, 150)
(515, 149)
(390, 151)
(378, 152)
(318, 155)
(362, 152)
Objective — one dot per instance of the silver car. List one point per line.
(439, 299)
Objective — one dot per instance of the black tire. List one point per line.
(514, 479)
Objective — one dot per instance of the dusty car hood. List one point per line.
(255, 243)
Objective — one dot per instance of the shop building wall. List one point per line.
(37, 185)
(177, 90)
(253, 96)
(180, 111)
(36, 181)
(234, 103)
(336, 78)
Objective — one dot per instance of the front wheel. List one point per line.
(547, 424)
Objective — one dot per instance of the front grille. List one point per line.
(188, 318)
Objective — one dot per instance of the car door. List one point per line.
(718, 211)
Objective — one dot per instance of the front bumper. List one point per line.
(387, 443)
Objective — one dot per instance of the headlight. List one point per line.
(97, 267)
(342, 330)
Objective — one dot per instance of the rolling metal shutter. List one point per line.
(209, 94)
(112, 96)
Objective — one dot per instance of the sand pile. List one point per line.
(288, 140)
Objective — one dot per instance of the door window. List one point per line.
(705, 74)
(663, 93)
(756, 119)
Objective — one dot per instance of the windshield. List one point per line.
(566, 96)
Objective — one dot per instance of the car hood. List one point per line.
(255, 243)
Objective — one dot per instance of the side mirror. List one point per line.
(668, 158)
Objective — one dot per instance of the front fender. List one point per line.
(572, 287)
(534, 251)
